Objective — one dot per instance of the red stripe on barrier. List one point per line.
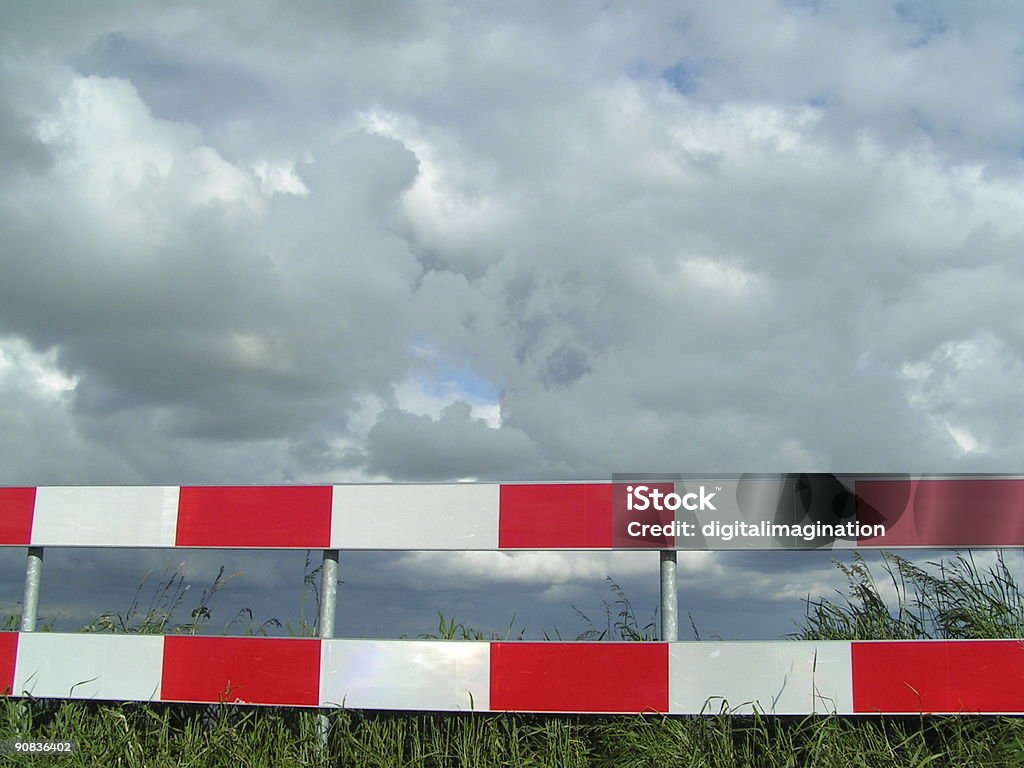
(8, 659)
(555, 516)
(257, 516)
(16, 508)
(579, 677)
(249, 670)
(941, 513)
(938, 676)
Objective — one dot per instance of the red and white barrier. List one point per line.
(897, 677)
(979, 512)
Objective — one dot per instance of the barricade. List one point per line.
(765, 512)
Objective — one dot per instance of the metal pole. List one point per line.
(669, 597)
(328, 604)
(29, 612)
(328, 592)
(30, 605)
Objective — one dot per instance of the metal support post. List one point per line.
(669, 597)
(29, 613)
(30, 604)
(328, 592)
(328, 604)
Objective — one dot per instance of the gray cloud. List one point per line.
(454, 446)
(254, 243)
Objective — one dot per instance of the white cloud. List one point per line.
(427, 398)
(109, 148)
(555, 577)
(963, 386)
(20, 365)
(279, 178)
(712, 236)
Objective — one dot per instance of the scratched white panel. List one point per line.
(88, 666)
(405, 674)
(782, 678)
(98, 516)
(455, 516)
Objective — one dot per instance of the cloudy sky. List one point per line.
(247, 243)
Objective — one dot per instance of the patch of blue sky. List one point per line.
(440, 377)
(475, 387)
(684, 76)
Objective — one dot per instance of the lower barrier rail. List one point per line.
(701, 677)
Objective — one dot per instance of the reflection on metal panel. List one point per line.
(134, 516)
(405, 674)
(780, 678)
(454, 516)
(86, 666)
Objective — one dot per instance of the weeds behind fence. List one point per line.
(952, 598)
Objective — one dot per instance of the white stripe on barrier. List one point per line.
(87, 666)
(405, 674)
(109, 516)
(458, 516)
(781, 678)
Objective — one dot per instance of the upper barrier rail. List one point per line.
(738, 512)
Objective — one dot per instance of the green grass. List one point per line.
(952, 598)
(185, 735)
